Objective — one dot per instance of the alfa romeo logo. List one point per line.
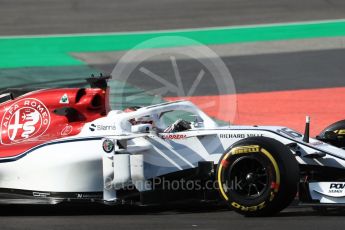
(108, 146)
(25, 119)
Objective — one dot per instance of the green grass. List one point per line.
(53, 51)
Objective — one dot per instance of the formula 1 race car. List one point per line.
(65, 145)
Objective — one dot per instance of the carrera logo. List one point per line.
(174, 136)
(26, 119)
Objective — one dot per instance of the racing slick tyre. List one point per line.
(334, 134)
(258, 176)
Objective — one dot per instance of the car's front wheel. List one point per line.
(258, 176)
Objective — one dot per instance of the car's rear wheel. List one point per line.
(258, 176)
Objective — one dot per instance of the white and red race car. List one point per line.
(65, 145)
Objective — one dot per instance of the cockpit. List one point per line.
(166, 118)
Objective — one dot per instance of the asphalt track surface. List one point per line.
(173, 217)
(25, 17)
(255, 73)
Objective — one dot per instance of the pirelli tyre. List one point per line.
(258, 176)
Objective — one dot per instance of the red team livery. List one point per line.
(49, 114)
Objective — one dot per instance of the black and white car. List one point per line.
(174, 152)
(257, 170)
